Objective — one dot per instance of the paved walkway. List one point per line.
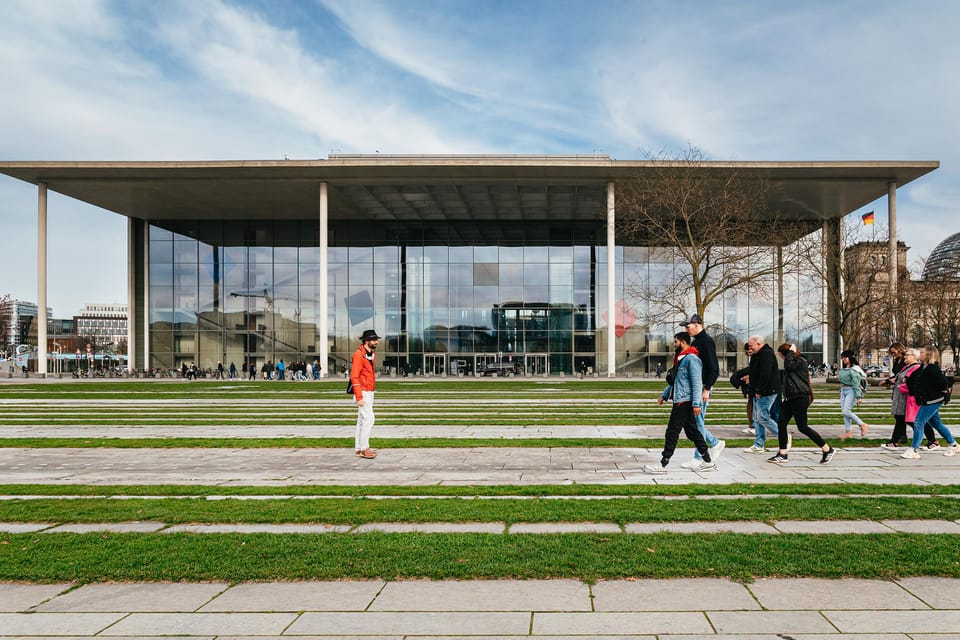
(811, 609)
(456, 466)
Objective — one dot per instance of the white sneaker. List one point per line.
(952, 450)
(691, 464)
(717, 449)
(749, 430)
(655, 469)
(755, 449)
(705, 466)
(910, 454)
(889, 446)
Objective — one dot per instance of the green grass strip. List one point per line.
(360, 511)
(238, 557)
(494, 490)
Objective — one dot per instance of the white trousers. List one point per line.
(365, 421)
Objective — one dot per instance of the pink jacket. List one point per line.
(912, 407)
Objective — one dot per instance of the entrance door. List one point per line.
(434, 364)
(537, 365)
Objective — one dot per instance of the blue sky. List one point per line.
(263, 79)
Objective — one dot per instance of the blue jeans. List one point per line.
(848, 398)
(708, 437)
(764, 420)
(930, 413)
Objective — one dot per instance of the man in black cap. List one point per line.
(363, 382)
(707, 349)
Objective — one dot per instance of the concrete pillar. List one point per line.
(892, 257)
(322, 325)
(42, 280)
(131, 296)
(146, 294)
(832, 257)
(781, 334)
(611, 283)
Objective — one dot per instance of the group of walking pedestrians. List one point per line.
(919, 390)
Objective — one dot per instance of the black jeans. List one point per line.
(900, 430)
(682, 418)
(796, 408)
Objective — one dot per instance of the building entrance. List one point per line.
(434, 364)
(536, 365)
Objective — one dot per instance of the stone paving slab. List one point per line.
(830, 526)
(23, 527)
(55, 624)
(818, 594)
(342, 595)
(565, 527)
(671, 595)
(124, 597)
(456, 466)
(201, 624)
(410, 623)
(484, 595)
(700, 527)
(431, 527)
(923, 526)
(620, 623)
(901, 622)
(108, 527)
(257, 528)
(939, 593)
(21, 596)
(792, 622)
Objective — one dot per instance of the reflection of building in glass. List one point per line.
(458, 261)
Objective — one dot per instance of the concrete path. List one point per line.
(456, 466)
(909, 608)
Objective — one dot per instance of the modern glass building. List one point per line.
(458, 261)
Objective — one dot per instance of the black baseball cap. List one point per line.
(693, 319)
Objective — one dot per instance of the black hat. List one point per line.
(693, 319)
(369, 334)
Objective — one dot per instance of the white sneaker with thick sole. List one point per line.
(952, 450)
(690, 464)
(755, 449)
(910, 454)
(717, 449)
(705, 466)
(655, 469)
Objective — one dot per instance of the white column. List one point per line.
(893, 256)
(322, 327)
(42, 279)
(146, 294)
(131, 293)
(611, 283)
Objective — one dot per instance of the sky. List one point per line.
(299, 79)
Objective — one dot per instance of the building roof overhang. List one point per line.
(434, 187)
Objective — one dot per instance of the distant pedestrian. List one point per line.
(659, 369)
(852, 381)
(685, 389)
(363, 380)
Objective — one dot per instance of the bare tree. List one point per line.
(709, 221)
(860, 293)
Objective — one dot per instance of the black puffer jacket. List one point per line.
(796, 376)
(928, 384)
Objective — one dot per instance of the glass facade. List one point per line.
(449, 298)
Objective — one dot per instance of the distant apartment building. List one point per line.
(104, 322)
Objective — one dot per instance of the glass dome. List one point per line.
(944, 261)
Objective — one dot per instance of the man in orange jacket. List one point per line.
(364, 381)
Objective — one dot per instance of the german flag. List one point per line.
(867, 218)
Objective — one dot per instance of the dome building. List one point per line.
(944, 261)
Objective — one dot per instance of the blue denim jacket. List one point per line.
(688, 386)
